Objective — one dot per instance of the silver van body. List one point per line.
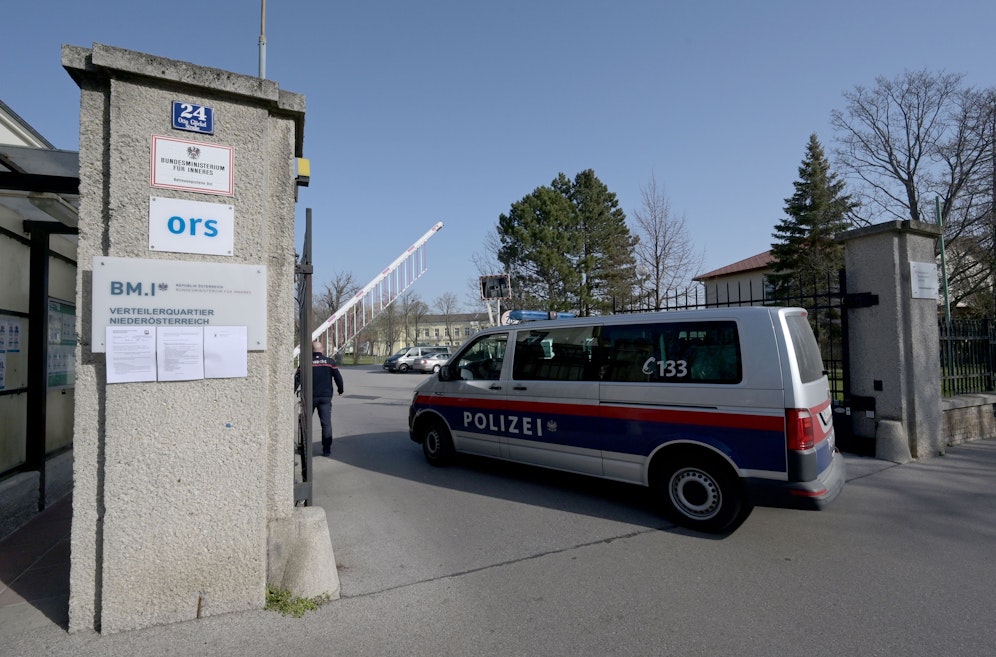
(715, 410)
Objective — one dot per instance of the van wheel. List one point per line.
(437, 445)
(403, 367)
(700, 493)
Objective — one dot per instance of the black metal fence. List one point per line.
(968, 356)
(967, 346)
(821, 296)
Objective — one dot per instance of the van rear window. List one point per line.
(667, 352)
(807, 351)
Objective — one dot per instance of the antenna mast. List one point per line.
(262, 41)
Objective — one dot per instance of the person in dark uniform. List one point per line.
(325, 381)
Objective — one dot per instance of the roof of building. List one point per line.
(21, 129)
(753, 263)
(40, 184)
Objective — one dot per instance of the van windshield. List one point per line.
(807, 351)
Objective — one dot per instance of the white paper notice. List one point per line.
(180, 353)
(131, 354)
(226, 352)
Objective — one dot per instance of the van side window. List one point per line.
(807, 350)
(672, 352)
(557, 354)
(482, 359)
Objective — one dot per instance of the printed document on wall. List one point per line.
(131, 354)
(226, 352)
(180, 353)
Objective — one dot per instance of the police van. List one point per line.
(714, 410)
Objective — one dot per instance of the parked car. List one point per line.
(401, 360)
(430, 363)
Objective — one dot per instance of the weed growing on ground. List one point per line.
(282, 600)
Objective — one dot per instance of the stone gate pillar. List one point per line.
(894, 342)
(184, 421)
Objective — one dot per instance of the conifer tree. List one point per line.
(566, 246)
(538, 243)
(606, 263)
(804, 246)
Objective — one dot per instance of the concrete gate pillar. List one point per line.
(894, 343)
(184, 469)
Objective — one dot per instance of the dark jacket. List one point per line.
(325, 377)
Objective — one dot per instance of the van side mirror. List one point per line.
(446, 372)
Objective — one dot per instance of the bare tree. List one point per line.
(337, 292)
(413, 311)
(363, 343)
(447, 305)
(916, 138)
(665, 254)
(487, 264)
(387, 326)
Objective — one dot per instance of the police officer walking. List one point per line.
(326, 379)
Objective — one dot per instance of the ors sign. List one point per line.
(183, 226)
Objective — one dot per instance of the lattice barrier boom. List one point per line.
(378, 294)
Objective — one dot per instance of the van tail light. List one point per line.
(799, 425)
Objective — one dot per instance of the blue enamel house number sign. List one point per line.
(193, 118)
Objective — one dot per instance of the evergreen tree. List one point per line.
(606, 264)
(539, 241)
(805, 249)
(567, 247)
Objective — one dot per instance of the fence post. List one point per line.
(893, 344)
(987, 330)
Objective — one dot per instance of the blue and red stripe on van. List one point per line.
(755, 443)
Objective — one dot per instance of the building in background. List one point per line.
(450, 330)
(742, 283)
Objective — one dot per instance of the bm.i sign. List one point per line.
(136, 292)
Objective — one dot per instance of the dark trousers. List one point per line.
(324, 407)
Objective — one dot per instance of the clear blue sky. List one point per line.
(419, 112)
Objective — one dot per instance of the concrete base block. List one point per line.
(299, 555)
(891, 442)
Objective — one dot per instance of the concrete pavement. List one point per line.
(34, 572)
(560, 575)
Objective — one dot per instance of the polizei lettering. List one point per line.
(500, 423)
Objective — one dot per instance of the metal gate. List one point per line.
(302, 278)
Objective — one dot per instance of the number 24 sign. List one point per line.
(193, 118)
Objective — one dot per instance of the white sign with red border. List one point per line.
(192, 165)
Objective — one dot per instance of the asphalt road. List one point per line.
(486, 558)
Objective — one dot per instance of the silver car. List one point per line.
(430, 362)
(403, 359)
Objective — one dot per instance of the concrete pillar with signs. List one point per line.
(893, 337)
(183, 499)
